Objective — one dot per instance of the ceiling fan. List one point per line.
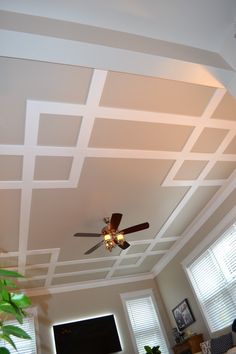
(111, 235)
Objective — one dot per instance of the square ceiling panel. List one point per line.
(226, 109)
(31, 283)
(38, 258)
(137, 248)
(126, 272)
(36, 271)
(163, 246)
(149, 262)
(8, 261)
(58, 130)
(197, 202)
(154, 94)
(190, 170)
(9, 219)
(10, 167)
(231, 148)
(222, 170)
(129, 261)
(52, 167)
(79, 278)
(84, 266)
(209, 140)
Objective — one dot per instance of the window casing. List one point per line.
(24, 346)
(212, 274)
(144, 321)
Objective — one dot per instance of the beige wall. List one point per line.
(172, 281)
(80, 304)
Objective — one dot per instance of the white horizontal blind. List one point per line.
(145, 324)
(24, 346)
(213, 276)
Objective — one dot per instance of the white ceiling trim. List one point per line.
(166, 118)
(93, 99)
(204, 215)
(151, 154)
(169, 180)
(88, 285)
(52, 267)
(89, 112)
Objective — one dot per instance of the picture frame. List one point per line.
(183, 315)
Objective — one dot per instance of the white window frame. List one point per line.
(216, 232)
(32, 311)
(136, 295)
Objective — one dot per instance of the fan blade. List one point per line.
(94, 247)
(84, 234)
(124, 246)
(135, 228)
(115, 221)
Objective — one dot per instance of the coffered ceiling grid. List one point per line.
(89, 112)
(33, 111)
(170, 178)
(185, 154)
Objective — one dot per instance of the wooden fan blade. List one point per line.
(115, 221)
(135, 228)
(84, 234)
(94, 247)
(124, 246)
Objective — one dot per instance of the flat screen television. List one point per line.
(91, 336)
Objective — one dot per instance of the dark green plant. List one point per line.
(153, 350)
(12, 306)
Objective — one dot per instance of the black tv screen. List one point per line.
(92, 336)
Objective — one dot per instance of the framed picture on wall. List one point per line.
(183, 315)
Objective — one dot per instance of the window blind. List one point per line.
(24, 346)
(145, 324)
(213, 276)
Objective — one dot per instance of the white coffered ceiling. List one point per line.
(115, 118)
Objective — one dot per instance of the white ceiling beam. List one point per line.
(228, 52)
(210, 72)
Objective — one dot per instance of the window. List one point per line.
(144, 321)
(24, 346)
(213, 277)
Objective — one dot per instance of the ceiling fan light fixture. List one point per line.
(112, 237)
(120, 238)
(109, 241)
(109, 244)
(107, 237)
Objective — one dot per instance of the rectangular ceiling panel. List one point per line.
(119, 134)
(154, 94)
